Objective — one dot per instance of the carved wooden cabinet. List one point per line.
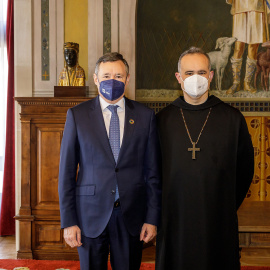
(42, 125)
(254, 232)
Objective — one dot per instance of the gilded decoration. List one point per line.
(72, 74)
(259, 129)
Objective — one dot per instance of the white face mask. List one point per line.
(195, 85)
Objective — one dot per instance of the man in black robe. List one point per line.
(208, 166)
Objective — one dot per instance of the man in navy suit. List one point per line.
(109, 182)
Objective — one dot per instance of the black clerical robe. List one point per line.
(201, 196)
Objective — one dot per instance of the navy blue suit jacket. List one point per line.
(88, 202)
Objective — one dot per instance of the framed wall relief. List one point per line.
(235, 33)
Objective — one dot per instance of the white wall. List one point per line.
(22, 79)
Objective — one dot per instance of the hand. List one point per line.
(72, 236)
(148, 232)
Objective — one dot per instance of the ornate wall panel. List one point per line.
(259, 128)
(48, 145)
(267, 156)
(160, 98)
(254, 126)
(47, 235)
(45, 40)
(107, 26)
(48, 40)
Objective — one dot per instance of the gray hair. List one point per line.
(111, 57)
(193, 50)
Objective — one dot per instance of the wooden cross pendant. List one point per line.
(194, 150)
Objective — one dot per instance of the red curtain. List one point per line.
(7, 222)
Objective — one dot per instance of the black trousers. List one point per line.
(125, 250)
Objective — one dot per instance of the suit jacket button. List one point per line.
(113, 192)
(116, 170)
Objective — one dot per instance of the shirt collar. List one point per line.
(104, 104)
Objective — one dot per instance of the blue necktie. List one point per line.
(114, 137)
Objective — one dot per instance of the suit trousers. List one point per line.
(125, 249)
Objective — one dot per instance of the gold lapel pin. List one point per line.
(131, 121)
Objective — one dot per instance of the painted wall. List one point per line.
(76, 28)
(166, 29)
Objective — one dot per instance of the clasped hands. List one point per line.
(72, 234)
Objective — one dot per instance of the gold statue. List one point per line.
(72, 74)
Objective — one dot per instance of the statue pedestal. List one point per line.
(70, 91)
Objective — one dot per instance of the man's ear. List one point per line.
(177, 75)
(211, 75)
(127, 80)
(95, 77)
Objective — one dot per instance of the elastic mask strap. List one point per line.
(113, 79)
(125, 81)
(196, 74)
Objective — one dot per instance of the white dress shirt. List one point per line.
(107, 115)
